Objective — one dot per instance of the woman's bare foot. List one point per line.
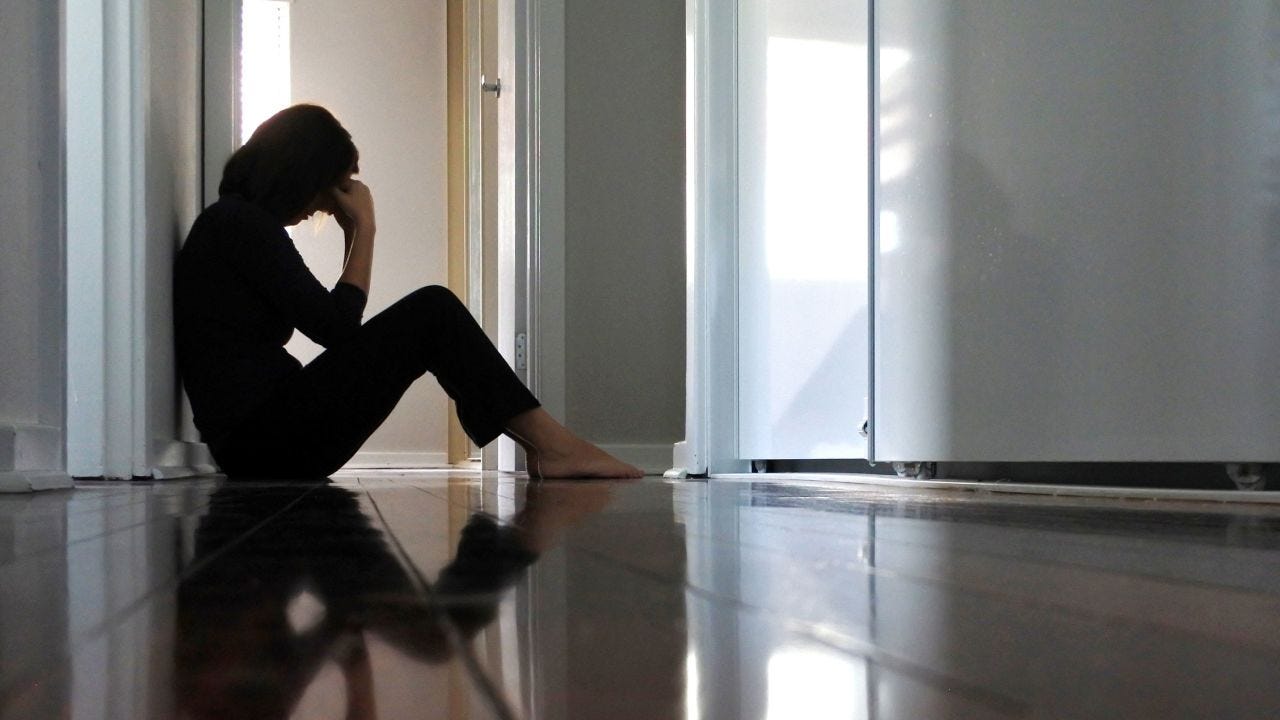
(555, 452)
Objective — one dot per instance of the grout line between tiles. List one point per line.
(497, 699)
(18, 559)
(94, 631)
(196, 567)
(841, 642)
(838, 641)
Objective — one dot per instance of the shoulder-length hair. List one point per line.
(289, 160)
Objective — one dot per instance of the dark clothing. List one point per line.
(325, 412)
(241, 288)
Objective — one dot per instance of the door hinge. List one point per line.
(522, 351)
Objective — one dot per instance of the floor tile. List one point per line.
(468, 595)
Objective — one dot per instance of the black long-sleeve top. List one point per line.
(240, 290)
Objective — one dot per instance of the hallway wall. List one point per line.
(625, 221)
(32, 304)
(173, 202)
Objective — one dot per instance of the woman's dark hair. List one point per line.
(291, 158)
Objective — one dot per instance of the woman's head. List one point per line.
(290, 160)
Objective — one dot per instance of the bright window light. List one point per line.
(264, 63)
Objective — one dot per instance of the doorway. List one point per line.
(465, 165)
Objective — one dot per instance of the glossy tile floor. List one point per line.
(456, 595)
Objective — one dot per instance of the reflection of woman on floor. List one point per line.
(247, 647)
(241, 289)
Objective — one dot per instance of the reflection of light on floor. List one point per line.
(691, 690)
(815, 683)
(264, 62)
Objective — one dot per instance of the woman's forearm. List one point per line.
(358, 270)
(354, 204)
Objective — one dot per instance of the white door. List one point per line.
(502, 103)
(804, 329)
(1078, 253)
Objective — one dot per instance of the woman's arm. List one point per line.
(355, 214)
(266, 260)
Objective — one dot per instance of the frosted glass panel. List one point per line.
(803, 228)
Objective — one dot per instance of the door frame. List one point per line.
(542, 69)
(105, 94)
(530, 265)
(111, 431)
(710, 444)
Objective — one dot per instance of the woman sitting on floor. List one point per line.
(241, 289)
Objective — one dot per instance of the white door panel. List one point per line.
(1079, 216)
(804, 329)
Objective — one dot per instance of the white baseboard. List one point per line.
(29, 447)
(34, 481)
(398, 460)
(176, 472)
(8, 448)
(654, 459)
(681, 461)
(177, 459)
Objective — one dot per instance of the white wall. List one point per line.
(624, 217)
(32, 317)
(380, 68)
(173, 200)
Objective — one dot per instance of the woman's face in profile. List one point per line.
(324, 202)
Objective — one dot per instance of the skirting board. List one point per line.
(23, 447)
(654, 459)
(972, 487)
(34, 481)
(177, 459)
(398, 460)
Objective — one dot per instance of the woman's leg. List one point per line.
(553, 451)
(323, 415)
(318, 421)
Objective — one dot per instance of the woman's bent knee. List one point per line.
(435, 296)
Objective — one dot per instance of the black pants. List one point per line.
(318, 420)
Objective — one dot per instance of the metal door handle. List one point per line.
(493, 87)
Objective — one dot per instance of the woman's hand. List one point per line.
(354, 204)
